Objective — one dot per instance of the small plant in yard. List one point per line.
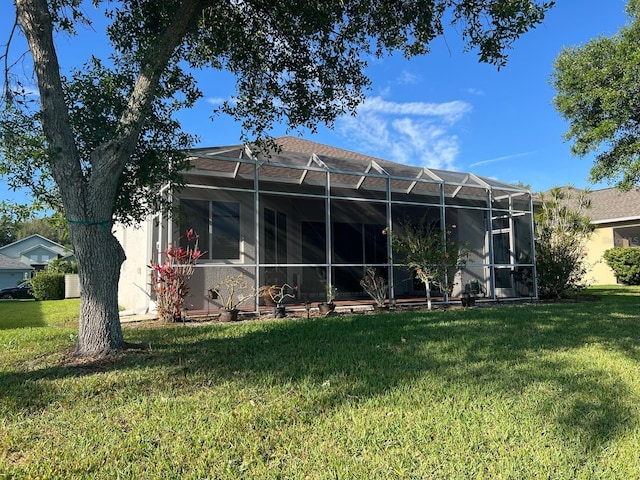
(430, 252)
(169, 279)
(375, 286)
(232, 291)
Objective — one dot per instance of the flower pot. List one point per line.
(279, 311)
(267, 293)
(325, 308)
(228, 315)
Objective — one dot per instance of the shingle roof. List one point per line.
(301, 145)
(7, 263)
(345, 164)
(611, 204)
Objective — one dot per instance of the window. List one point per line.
(194, 214)
(217, 225)
(225, 230)
(626, 236)
(314, 242)
(275, 236)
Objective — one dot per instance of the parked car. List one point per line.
(22, 290)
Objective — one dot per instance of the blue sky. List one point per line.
(443, 110)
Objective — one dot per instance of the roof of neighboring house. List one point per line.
(7, 263)
(19, 247)
(612, 204)
(608, 205)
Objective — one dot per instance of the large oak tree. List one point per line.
(108, 127)
(598, 93)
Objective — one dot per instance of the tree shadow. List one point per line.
(504, 349)
(20, 314)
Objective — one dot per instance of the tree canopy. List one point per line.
(598, 93)
(108, 128)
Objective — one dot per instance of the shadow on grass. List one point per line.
(20, 314)
(510, 350)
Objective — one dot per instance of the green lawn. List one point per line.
(543, 391)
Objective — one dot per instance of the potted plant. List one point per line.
(231, 291)
(278, 294)
(328, 306)
(375, 286)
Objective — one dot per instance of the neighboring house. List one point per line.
(36, 251)
(615, 216)
(12, 272)
(311, 214)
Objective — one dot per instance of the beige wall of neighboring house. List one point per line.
(615, 216)
(598, 272)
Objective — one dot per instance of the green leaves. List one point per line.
(562, 230)
(599, 95)
(429, 251)
(625, 262)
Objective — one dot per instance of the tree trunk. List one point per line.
(99, 258)
(428, 287)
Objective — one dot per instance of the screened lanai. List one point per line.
(309, 215)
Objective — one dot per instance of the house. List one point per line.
(615, 216)
(27, 255)
(12, 272)
(311, 214)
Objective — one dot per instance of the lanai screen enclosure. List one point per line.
(312, 214)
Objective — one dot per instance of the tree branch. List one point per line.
(37, 25)
(131, 121)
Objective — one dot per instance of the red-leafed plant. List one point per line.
(169, 279)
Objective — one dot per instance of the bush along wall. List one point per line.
(625, 263)
(48, 286)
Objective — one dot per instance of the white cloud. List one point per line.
(499, 159)
(448, 111)
(475, 91)
(413, 133)
(217, 100)
(407, 78)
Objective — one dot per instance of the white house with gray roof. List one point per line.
(19, 259)
(13, 271)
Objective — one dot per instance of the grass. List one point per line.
(538, 391)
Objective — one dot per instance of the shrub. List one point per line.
(562, 231)
(625, 263)
(60, 265)
(170, 279)
(48, 286)
(375, 286)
